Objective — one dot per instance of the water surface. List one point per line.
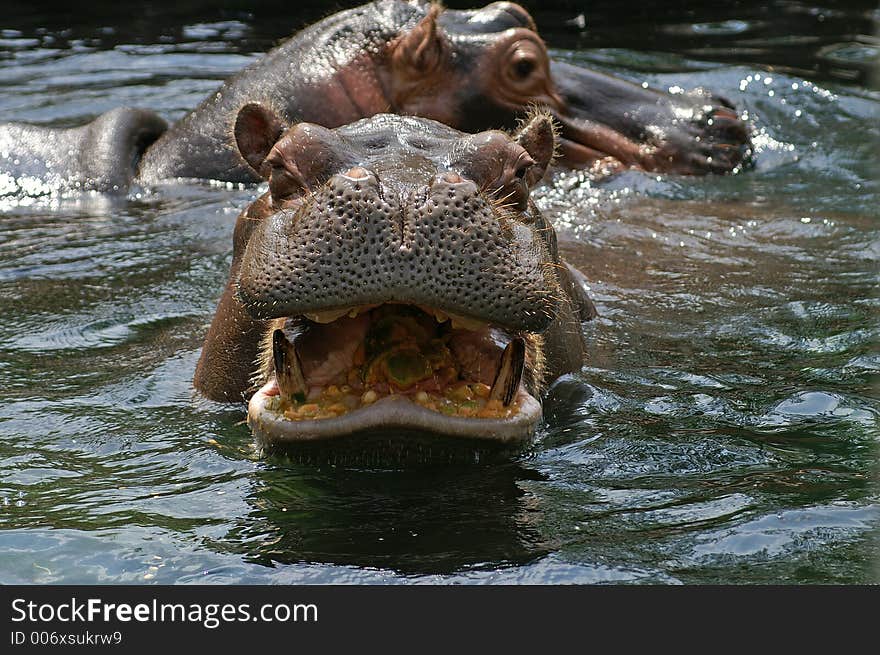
(724, 429)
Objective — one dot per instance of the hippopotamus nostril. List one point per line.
(451, 177)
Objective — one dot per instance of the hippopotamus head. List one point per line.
(471, 68)
(395, 275)
(486, 67)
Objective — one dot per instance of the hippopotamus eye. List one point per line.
(524, 67)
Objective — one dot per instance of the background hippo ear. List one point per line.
(538, 136)
(257, 129)
(424, 47)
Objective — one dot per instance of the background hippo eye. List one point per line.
(524, 67)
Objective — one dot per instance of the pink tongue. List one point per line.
(328, 352)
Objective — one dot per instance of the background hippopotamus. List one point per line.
(473, 70)
(396, 275)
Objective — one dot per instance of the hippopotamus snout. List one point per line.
(367, 238)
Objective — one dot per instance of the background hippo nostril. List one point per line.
(452, 177)
(357, 173)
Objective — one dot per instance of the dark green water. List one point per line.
(724, 430)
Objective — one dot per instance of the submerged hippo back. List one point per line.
(100, 156)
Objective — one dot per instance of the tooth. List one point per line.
(513, 360)
(328, 316)
(360, 309)
(288, 370)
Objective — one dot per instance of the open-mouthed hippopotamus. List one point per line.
(472, 70)
(396, 276)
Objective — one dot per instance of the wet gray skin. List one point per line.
(375, 232)
(102, 155)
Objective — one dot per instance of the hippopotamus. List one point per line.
(472, 70)
(395, 276)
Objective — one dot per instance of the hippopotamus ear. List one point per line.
(538, 136)
(257, 129)
(423, 47)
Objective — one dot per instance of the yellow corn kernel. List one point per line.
(309, 409)
(493, 409)
(337, 409)
(481, 390)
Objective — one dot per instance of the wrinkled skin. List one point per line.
(472, 70)
(396, 213)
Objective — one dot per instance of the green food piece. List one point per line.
(402, 347)
(406, 367)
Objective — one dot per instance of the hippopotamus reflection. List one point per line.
(393, 522)
(395, 276)
(472, 70)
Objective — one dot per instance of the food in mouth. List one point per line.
(329, 364)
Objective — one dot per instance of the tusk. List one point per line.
(506, 383)
(288, 370)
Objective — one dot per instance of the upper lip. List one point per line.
(339, 255)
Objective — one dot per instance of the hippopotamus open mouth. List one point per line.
(394, 366)
(395, 277)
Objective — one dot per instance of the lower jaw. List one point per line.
(394, 413)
